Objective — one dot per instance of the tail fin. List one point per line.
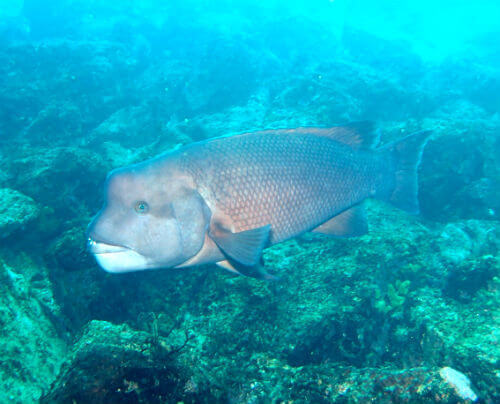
(407, 153)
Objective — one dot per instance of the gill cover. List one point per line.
(193, 218)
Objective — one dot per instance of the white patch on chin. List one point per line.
(121, 261)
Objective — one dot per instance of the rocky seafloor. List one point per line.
(379, 318)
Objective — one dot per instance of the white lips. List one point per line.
(115, 259)
(100, 248)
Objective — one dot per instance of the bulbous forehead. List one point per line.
(136, 176)
(128, 185)
(155, 180)
(121, 184)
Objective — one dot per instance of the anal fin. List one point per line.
(350, 223)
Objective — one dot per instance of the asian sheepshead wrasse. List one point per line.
(226, 199)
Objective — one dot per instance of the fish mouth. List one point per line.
(117, 258)
(99, 247)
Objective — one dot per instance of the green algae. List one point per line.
(395, 298)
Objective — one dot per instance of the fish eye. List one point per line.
(141, 207)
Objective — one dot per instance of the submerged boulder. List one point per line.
(115, 364)
(16, 211)
(32, 340)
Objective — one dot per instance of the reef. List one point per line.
(375, 318)
(17, 211)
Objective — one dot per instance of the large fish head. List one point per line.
(151, 218)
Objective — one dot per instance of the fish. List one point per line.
(224, 200)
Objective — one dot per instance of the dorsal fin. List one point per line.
(359, 135)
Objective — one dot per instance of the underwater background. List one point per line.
(408, 313)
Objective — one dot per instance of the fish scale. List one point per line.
(292, 181)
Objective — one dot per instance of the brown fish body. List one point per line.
(293, 180)
(224, 200)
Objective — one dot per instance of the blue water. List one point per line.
(90, 86)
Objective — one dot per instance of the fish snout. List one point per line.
(96, 244)
(99, 247)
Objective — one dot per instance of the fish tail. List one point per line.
(407, 153)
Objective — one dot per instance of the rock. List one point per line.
(464, 280)
(115, 364)
(16, 211)
(131, 127)
(483, 197)
(32, 341)
(459, 382)
(455, 244)
(63, 179)
(391, 385)
(54, 124)
(468, 239)
(68, 251)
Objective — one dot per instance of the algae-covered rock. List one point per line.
(32, 337)
(131, 127)
(68, 251)
(392, 385)
(64, 182)
(53, 123)
(113, 363)
(16, 211)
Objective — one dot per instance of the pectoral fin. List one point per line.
(350, 223)
(244, 247)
